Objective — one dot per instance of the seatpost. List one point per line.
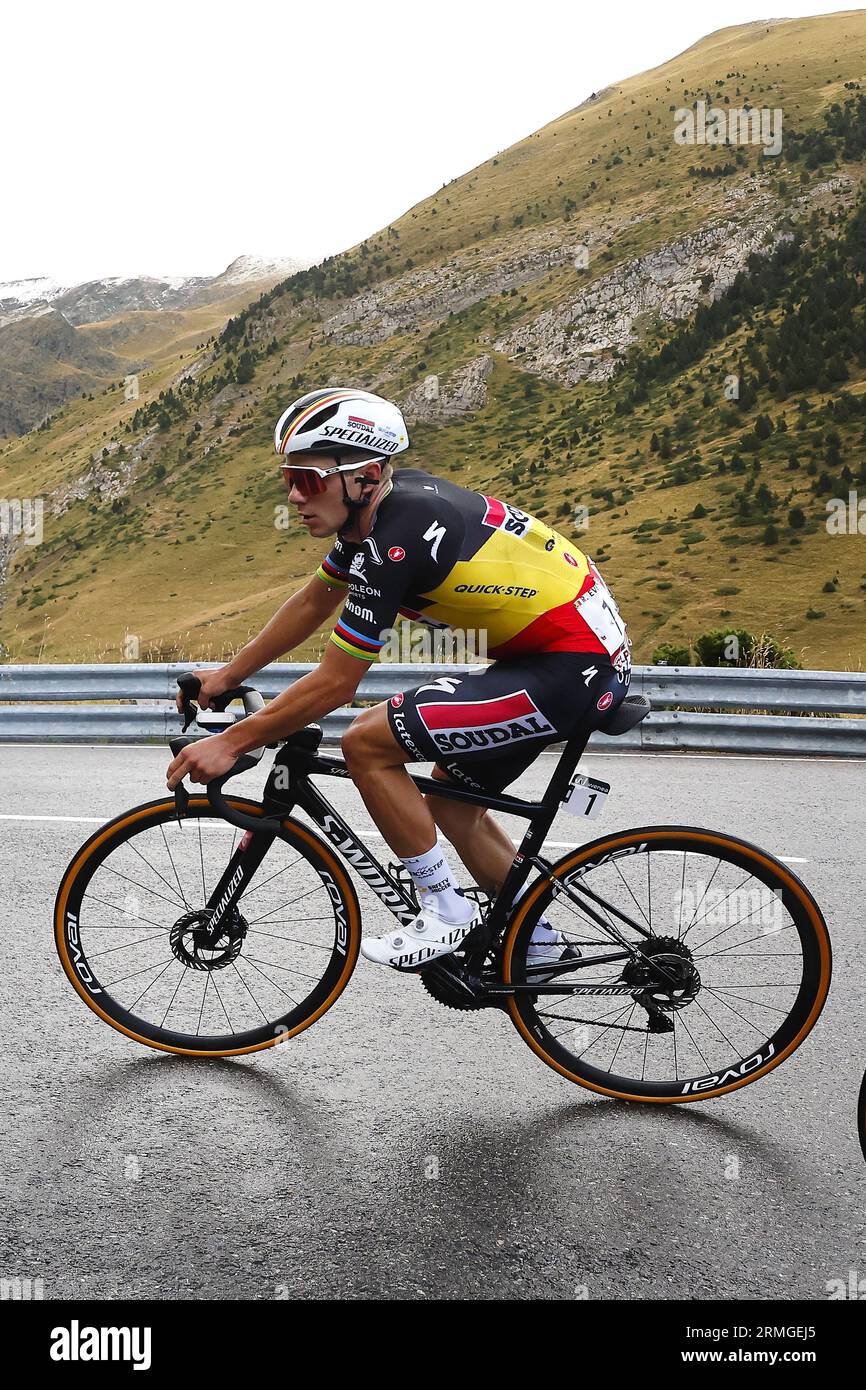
(564, 770)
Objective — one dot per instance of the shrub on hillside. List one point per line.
(672, 654)
(739, 647)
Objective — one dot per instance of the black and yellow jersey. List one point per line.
(448, 557)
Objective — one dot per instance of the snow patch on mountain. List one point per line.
(95, 300)
(246, 268)
(17, 293)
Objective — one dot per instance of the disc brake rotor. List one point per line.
(193, 947)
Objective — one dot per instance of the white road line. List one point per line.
(570, 844)
(81, 820)
(362, 834)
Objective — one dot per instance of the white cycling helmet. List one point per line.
(339, 421)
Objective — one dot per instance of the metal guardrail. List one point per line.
(36, 705)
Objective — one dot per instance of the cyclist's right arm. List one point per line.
(300, 616)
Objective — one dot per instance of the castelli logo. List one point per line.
(397, 700)
(570, 558)
(606, 701)
(396, 553)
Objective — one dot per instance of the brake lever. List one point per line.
(190, 713)
(189, 686)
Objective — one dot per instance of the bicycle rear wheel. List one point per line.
(128, 925)
(715, 972)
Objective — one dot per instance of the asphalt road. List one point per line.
(397, 1149)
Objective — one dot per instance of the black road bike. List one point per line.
(214, 925)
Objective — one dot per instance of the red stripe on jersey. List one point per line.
(494, 513)
(475, 713)
(561, 629)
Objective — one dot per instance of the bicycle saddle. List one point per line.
(630, 712)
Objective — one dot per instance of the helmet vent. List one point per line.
(316, 421)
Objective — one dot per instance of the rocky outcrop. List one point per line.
(583, 337)
(110, 475)
(432, 292)
(465, 390)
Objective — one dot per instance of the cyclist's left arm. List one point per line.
(329, 686)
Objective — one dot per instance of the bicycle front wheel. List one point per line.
(129, 925)
(699, 963)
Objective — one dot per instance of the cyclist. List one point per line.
(412, 543)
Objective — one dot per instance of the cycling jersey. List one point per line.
(448, 557)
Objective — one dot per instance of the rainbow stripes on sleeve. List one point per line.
(332, 573)
(356, 643)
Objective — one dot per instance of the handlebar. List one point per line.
(190, 686)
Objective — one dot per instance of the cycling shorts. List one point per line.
(486, 728)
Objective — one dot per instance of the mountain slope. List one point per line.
(44, 360)
(563, 325)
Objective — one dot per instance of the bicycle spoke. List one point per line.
(275, 983)
(153, 870)
(159, 926)
(174, 867)
(172, 902)
(314, 945)
(293, 900)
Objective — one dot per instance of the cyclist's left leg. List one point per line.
(376, 763)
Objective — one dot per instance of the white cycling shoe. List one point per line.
(425, 939)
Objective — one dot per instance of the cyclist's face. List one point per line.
(319, 500)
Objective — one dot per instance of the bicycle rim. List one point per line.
(753, 961)
(128, 919)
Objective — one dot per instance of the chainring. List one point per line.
(443, 979)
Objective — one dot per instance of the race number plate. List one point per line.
(601, 615)
(585, 796)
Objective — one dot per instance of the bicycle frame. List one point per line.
(302, 763)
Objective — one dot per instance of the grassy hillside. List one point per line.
(704, 511)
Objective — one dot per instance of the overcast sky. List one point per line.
(168, 138)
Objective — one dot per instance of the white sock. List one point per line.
(542, 932)
(432, 876)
